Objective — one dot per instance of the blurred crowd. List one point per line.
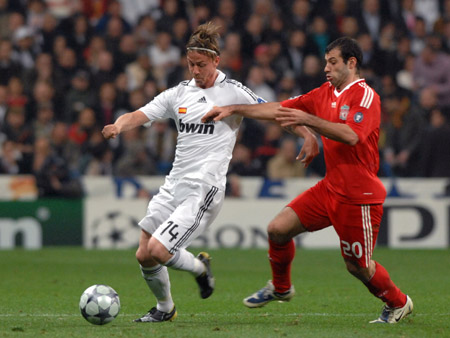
(68, 67)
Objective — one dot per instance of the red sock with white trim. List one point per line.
(381, 286)
(281, 257)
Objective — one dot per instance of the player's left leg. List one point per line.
(358, 237)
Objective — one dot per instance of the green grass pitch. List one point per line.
(40, 291)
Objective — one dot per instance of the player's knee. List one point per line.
(142, 256)
(276, 233)
(359, 272)
(159, 254)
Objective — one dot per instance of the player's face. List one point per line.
(337, 72)
(202, 68)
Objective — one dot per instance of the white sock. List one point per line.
(184, 260)
(157, 278)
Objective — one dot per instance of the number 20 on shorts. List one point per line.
(352, 250)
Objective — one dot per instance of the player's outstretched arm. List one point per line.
(262, 111)
(125, 122)
(335, 131)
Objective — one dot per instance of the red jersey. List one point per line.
(351, 170)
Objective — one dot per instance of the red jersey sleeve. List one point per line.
(306, 102)
(364, 114)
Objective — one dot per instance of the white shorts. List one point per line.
(181, 211)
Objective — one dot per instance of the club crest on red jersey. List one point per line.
(344, 112)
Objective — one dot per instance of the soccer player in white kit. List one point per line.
(194, 190)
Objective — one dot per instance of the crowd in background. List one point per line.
(68, 67)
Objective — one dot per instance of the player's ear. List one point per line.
(352, 62)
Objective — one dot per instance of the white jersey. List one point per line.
(203, 150)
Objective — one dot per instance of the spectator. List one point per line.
(48, 33)
(24, 47)
(256, 82)
(371, 18)
(164, 57)
(300, 14)
(18, 131)
(127, 52)
(8, 66)
(138, 70)
(43, 94)
(43, 71)
(242, 164)
(418, 36)
(63, 147)
(53, 178)
(320, 35)
(80, 131)
(404, 134)
(252, 36)
(436, 152)
(145, 31)
(92, 53)
(106, 105)
(78, 97)
(9, 158)
(428, 73)
(171, 11)
(284, 164)
(113, 10)
(80, 34)
(298, 47)
(312, 75)
(16, 95)
(36, 11)
(44, 123)
(160, 144)
(134, 160)
(65, 69)
(104, 71)
(3, 105)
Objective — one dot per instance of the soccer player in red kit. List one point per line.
(345, 111)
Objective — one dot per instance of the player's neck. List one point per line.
(211, 81)
(350, 80)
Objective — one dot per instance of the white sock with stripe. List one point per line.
(184, 260)
(157, 278)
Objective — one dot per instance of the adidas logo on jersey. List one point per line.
(196, 128)
(202, 100)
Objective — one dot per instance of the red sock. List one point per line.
(281, 257)
(381, 286)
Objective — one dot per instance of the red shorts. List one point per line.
(357, 225)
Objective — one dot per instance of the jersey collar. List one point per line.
(337, 94)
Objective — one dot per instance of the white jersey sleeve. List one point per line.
(203, 150)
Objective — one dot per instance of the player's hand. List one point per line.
(289, 116)
(110, 131)
(217, 114)
(310, 149)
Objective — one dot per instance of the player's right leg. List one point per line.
(307, 212)
(157, 279)
(281, 230)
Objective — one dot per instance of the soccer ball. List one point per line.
(99, 304)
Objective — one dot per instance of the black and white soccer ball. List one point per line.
(99, 304)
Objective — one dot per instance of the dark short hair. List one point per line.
(349, 48)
